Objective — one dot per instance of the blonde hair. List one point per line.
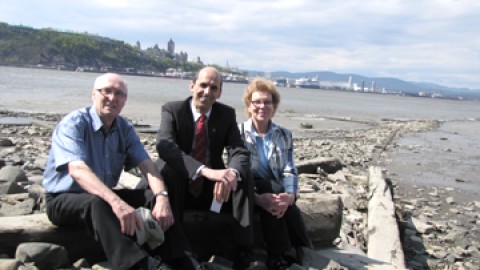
(261, 85)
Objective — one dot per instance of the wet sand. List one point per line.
(448, 156)
(445, 157)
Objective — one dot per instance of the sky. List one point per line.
(435, 41)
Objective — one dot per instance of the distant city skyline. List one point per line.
(435, 41)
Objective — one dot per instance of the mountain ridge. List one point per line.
(388, 83)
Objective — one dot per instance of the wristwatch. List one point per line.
(163, 193)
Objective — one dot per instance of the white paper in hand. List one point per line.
(216, 206)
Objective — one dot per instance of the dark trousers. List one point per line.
(240, 204)
(84, 209)
(280, 234)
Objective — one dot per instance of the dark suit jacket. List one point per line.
(174, 146)
(176, 135)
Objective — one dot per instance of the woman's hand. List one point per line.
(275, 204)
(267, 202)
(282, 202)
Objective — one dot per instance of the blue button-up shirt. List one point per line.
(79, 137)
(264, 144)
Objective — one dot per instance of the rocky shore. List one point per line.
(438, 231)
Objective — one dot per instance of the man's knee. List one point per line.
(98, 206)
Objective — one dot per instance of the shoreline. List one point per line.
(442, 157)
(402, 154)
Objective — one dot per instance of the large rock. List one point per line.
(38, 228)
(10, 187)
(44, 256)
(322, 214)
(40, 163)
(6, 142)
(13, 173)
(329, 165)
(19, 204)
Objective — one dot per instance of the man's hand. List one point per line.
(221, 192)
(225, 176)
(162, 212)
(89, 181)
(127, 216)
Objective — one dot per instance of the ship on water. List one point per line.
(306, 82)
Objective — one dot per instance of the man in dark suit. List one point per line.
(218, 187)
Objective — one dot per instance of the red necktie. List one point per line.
(199, 153)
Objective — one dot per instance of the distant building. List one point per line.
(183, 56)
(171, 46)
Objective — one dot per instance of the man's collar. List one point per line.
(97, 121)
(196, 114)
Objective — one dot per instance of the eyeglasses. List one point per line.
(212, 87)
(108, 92)
(257, 103)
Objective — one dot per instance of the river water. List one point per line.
(455, 147)
(40, 90)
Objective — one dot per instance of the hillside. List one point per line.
(26, 46)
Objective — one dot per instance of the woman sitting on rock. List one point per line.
(275, 175)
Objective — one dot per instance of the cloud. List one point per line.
(430, 40)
